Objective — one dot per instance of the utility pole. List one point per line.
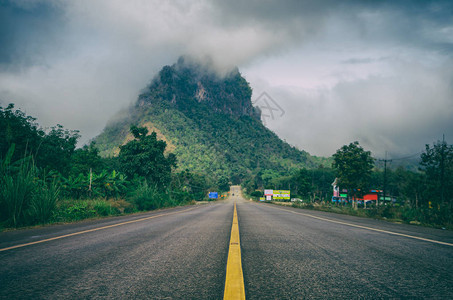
(442, 169)
(385, 175)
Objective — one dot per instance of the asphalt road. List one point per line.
(287, 255)
(177, 256)
(181, 253)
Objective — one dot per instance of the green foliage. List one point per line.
(223, 184)
(213, 125)
(256, 194)
(18, 185)
(26, 196)
(75, 210)
(145, 197)
(145, 157)
(50, 150)
(104, 184)
(56, 149)
(85, 159)
(44, 200)
(353, 167)
(314, 184)
(407, 186)
(18, 129)
(191, 186)
(148, 197)
(121, 206)
(437, 163)
(50, 168)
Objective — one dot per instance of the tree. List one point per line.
(50, 150)
(144, 156)
(86, 158)
(18, 129)
(353, 167)
(303, 182)
(56, 149)
(223, 183)
(437, 163)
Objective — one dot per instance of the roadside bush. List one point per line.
(74, 210)
(148, 197)
(372, 212)
(16, 194)
(44, 201)
(17, 181)
(102, 207)
(409, 214)
(257, 194)
(121, 206)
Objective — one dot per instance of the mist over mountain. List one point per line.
(209, 122)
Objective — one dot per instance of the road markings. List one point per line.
(368, 228)
(234, 282)
(94, 229)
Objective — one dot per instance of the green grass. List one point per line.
(69, 210)
(440, 217)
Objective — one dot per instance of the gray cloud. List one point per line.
(384, 113)
(78, 62)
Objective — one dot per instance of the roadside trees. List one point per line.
(353, 167)
(144, 156)
(437, 162)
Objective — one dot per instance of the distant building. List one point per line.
(342, 196)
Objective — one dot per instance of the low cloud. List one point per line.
(384, 68)
(398, 113)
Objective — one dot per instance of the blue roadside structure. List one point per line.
(213, 195)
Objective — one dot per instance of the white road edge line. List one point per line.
(93, 229)
(368, 228)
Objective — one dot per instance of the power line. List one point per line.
(402, 158)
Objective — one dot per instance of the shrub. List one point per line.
(44, 200)
(257, 194)
(101, 207)
(121, 206)
(18, 183)
(74, 210)
(147, 197)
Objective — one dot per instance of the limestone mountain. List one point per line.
(209, 122)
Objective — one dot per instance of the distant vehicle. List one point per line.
(296, 200)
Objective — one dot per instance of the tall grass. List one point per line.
(17, 191)
(44, 200)
(75, 209)
(31, 196)
(439, 217)
(25, 199)
(17, 182)
(149, 197)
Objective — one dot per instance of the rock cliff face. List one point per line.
(187, 82)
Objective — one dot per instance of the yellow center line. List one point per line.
(368, 228)
(94, 229)
(234, 282)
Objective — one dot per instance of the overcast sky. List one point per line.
(379, 72)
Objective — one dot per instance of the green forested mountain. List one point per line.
(209, 122)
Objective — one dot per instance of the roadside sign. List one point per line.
(268, 192)
(282, 194)
(213, 195)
